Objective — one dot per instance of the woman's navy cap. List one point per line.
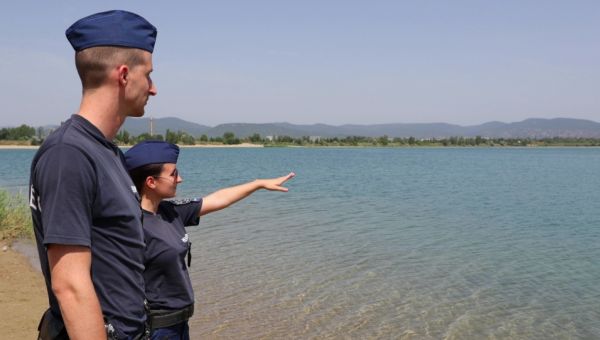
(151, 152)
(112, 28)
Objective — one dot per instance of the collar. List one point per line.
(148, 212)
(94, 132)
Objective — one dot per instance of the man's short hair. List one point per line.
(94, 63)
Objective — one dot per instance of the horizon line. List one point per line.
(333, 125)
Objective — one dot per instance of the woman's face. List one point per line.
(166, 182)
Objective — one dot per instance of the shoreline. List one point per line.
(22, 290)
(16, 147)
(242, 145)
(250, 145)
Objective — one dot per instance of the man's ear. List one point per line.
(123, 72)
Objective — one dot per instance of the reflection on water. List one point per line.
(397, 243)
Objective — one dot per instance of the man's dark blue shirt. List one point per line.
(82, 195)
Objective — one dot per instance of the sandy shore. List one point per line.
(23, 296)
(19, 146)
(242, 145)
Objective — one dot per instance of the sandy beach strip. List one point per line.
(19, 146)
(23, 296)
(242, 145)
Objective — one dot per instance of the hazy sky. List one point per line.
(333, 62)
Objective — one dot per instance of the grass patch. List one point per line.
(15, 216)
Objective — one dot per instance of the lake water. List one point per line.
(404, 243)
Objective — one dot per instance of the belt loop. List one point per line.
(189, 254)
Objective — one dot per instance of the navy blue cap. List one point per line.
(112, 28)
(151, 152)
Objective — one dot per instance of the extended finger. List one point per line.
(287, 177)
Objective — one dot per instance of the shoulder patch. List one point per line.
(183, 201)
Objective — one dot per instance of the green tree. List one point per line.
(123, 137)
(283, 139)
(383, 140)
(229, 138)
(187, 139)
(22, 132)
(146, 136)
(171, 137)
(255, 138)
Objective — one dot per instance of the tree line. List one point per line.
(123, 137)
(229, 138)
(23, 132)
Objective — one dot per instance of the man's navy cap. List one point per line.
(151, 152)
(112, 28)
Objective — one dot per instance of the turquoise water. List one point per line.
(393, 243)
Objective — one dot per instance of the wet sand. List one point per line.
(22, 292)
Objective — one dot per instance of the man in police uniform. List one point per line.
(85, 208)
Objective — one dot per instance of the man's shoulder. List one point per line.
(69, 138)
(69, 133)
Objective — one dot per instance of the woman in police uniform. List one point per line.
(153, 167)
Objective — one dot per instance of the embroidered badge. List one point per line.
(183, 201)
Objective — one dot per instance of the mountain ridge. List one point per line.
(528, 128)
(534, 128)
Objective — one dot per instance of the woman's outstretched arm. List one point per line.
(225, 197)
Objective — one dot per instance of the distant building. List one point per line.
(314, 138)
(270, 138)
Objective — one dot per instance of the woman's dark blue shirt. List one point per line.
(168, 285)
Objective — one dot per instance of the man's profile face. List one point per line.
(139, 86)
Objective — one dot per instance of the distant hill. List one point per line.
(529, 128)
(137, 126)
(247, 129)
(539, 128)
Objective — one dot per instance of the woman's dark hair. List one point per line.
(139, 175)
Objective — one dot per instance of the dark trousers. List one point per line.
(180, 331)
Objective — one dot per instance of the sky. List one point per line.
(332, 62)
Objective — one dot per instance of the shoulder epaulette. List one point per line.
(183, 201)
